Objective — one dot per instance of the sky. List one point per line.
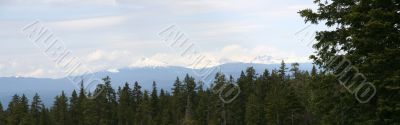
(114, 34)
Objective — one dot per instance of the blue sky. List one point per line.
(114, 34)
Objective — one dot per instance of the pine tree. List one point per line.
(124, 106)
(145, 110)
(250, 78)
(80, 107)
(74, 108)
(220, 109)
(239, 104)
(201, 112)
(24, 111)
(23, 105)
(282, 71)
(252, 116)
(60, 110)
(295, 70)
(155, 107)
(366, 33)
(36, 108)
(91, 113)
(255, 113)
(14, 112)
(106, 101)
(261, 93)
(137, 98)
(44, 117)
(229, 107)
(166, 117)
(314, 73)
(276, 100)
(178, 101)
(190, 87)
(249, 91)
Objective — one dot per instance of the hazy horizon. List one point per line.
(115, 34)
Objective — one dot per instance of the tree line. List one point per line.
(284, 96)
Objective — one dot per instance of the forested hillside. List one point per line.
(284, 96)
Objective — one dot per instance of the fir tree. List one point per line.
(178, 101)
(14, 113)
(91, 112)
(366, 33)
(190, 86)
(36, 108)
(44, 117)
(252, 116)
(106, 101)
(137, 98)
(60, 110)
(145, 110)
(282, 71)
(202, 106)
(155, 107)
(74, 109)
(166, 117)
(239, 104)
(124, 106)
(80, 107)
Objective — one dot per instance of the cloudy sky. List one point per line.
(114, 34)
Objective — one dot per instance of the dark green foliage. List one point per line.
(90, 111)
(74, 108)
(2, 115)
(145, 110)
(125, 110)
(60, 110)
(166, 112)
(190, 94)
(201, 113)
(35, 110)
(44, 117)
(155, 105)
(106, 103)
(17, 111)
(367, 34)
(178, 101)
(278, 97)
(136, 100)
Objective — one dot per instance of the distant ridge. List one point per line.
(164, 76)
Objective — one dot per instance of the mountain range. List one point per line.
(164, 76)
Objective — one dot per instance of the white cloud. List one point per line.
(154, 61)
(227, 54)
(88, 23)
(36, 73)
(25, 68)
(230, 53)
(99, 60)
(104, 60)
(114, 37)
(112, 60)
(113, 70)
(94, 56)
(237, 53)
(224, 28)
(58, 2)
